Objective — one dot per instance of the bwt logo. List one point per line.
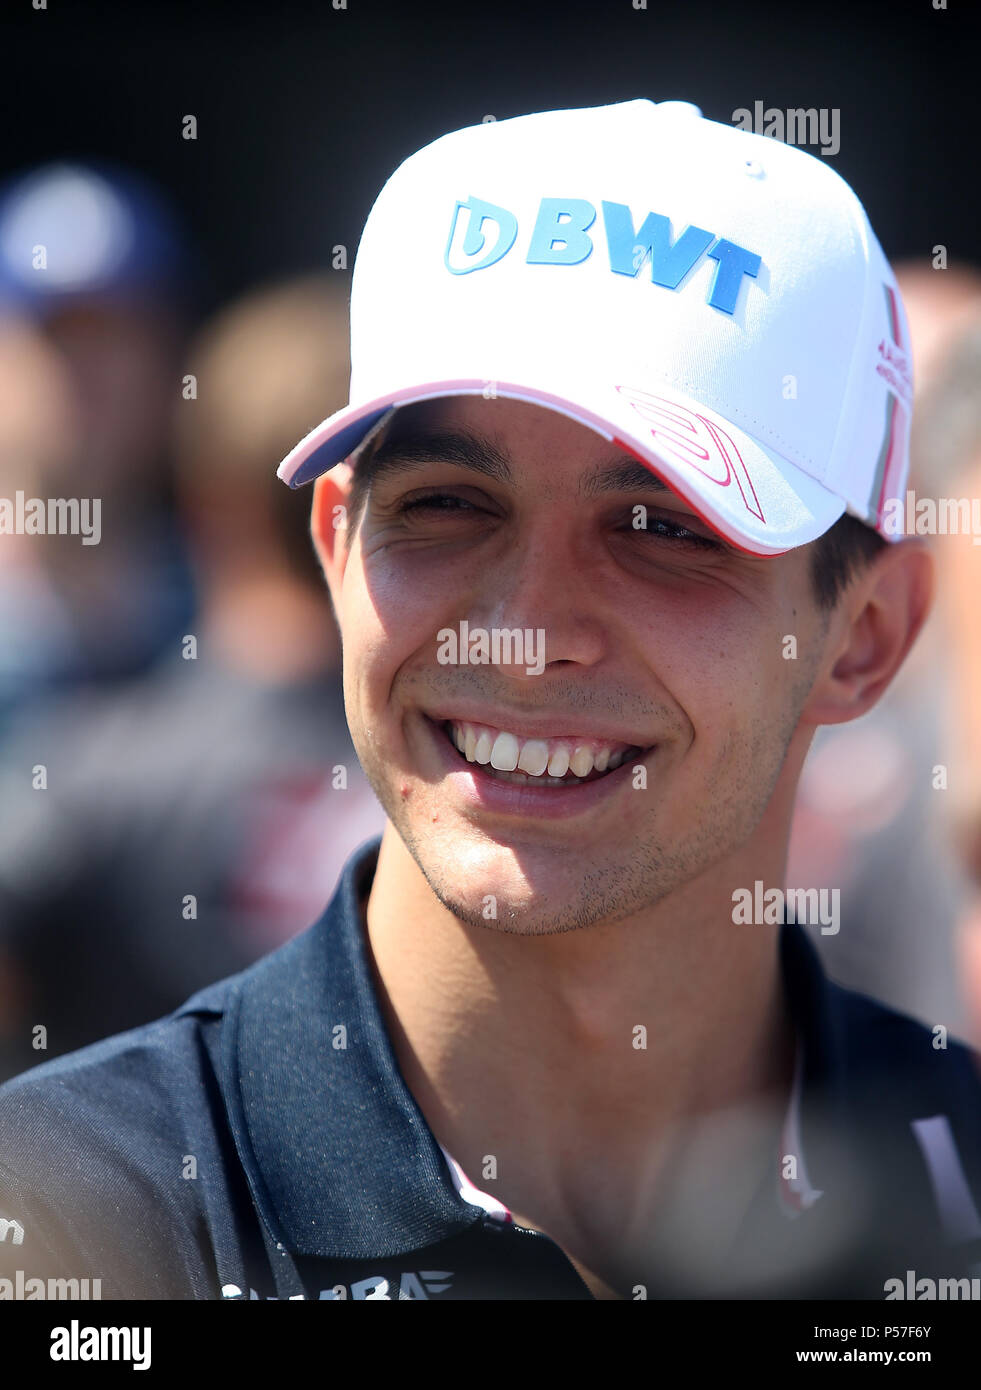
(559, 237)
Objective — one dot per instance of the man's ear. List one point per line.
(871, 631)
(328, 523)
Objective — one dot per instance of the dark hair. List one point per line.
(360, 482)
(840, 554)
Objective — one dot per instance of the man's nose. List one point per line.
(544, 586)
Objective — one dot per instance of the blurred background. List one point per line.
(182, 190)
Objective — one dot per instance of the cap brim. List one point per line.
(751, 495)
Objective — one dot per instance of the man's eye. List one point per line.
(437, 501)
(666, 529)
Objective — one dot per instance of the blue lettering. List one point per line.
(734, 262)
(575, 244)
(669, 263)
(560, 238)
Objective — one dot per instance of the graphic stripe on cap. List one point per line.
(885, 450)
(893, 311)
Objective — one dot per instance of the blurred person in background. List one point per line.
(953, 418)
(94, 256)
(38, 426)
(940, 306)
(951, 428)
(874, 814)
(200, 815)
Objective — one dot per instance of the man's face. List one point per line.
(664, 642)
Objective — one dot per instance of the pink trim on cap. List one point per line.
(478, 386)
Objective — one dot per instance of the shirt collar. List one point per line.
(341, 1162)
(338, 1155)
(794, 1190)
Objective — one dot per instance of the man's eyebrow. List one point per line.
(409, 451)
(620, 475)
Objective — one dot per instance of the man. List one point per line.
(617, 374)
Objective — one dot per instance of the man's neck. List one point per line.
(565, 1073)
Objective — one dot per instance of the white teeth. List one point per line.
(504, 755)
(533, 758)
(549, 762)
(558, 763)
(581, 761)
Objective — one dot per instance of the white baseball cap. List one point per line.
(711, 300)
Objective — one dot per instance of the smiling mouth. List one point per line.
(554, 763)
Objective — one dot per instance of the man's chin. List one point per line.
(510, 887)
(530, 915)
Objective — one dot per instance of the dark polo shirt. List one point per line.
(260, 1142)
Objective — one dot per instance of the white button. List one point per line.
(679, 108)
